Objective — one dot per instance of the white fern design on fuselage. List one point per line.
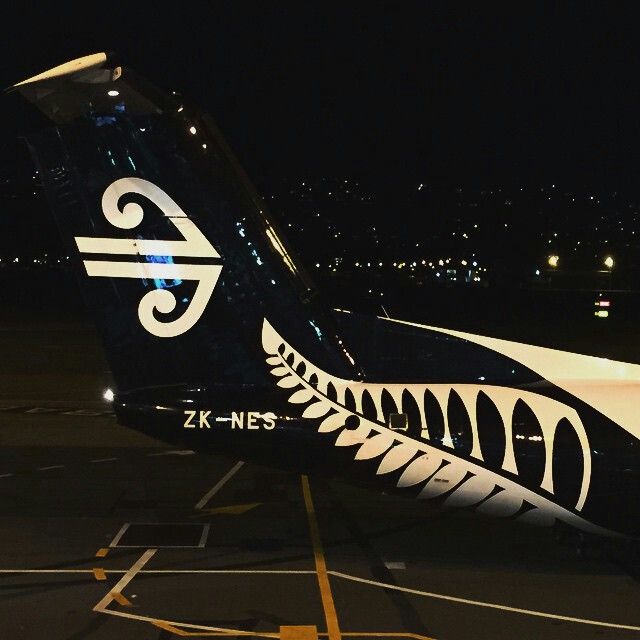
(418, 462)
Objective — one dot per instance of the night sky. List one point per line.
(437, 91)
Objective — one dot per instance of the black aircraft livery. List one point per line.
(218, 341)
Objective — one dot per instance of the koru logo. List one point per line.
(194, 245)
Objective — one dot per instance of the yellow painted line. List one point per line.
(328, 605)
(99, 574)
(120, 599)
(291, 632)
(101, 553)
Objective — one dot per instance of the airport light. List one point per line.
(552, 261)
(113, 93)
(609, 262)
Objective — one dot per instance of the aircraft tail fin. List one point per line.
(176, 253)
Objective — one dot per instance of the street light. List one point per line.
(609, 262)
(552, 261)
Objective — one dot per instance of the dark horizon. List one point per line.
(472, 95)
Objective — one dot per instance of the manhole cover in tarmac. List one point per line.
(158, 535)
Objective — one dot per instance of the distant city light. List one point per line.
(552, 261)
(108, 395)
(193, 130)
(601, 313)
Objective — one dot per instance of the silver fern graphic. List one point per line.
(417, 462)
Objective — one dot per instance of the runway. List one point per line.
(105, 533)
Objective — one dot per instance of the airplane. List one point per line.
(218, 340)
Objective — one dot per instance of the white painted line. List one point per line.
(292, 572)
(104, 460)
(216, 487)
(171, 571)
(47, 571)
(55, 466)
(204, 536)
(395, 564)
(114, 542)
(125, 580)
(488, 605)
(159, 546)
(224, 631)
(6, 475)
(182, 452)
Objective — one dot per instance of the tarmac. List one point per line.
(106, 533)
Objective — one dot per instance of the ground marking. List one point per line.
(55, 466)
(114, 542)
(204, 536)
(489, 605)
(116, 592)
(182, 452)
(61, 410)
(328, 605)
(103, 460)
(101, 553)
(99, 574)
(216, 487)
(172, 571)
(6, 475)
(232, 510)
(298, 632)
(167, 624)
(122, 600)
